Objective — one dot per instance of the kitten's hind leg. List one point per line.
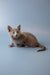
(26, 46)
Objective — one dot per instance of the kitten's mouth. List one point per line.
(15, 38)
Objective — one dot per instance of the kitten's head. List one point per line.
(14, 32)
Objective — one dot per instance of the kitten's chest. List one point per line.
(17, 41)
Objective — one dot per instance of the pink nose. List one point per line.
(16, 35)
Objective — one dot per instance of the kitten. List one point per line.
(23, 39)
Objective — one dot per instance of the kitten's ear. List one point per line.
(9, 28)
(19, 27)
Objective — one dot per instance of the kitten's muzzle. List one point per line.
(15, 37)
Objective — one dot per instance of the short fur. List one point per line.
(23, 39)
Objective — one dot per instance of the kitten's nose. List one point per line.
(16, 35)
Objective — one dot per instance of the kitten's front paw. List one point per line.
(10, 45)
(17, 46)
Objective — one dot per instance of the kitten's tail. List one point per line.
(43, 48)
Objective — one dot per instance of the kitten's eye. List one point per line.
(17, 31)
(13, 32)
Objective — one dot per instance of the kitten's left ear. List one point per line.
(19, 27)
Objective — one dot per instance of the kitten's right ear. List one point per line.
(9, 28)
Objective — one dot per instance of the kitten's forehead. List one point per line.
(14, 29)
